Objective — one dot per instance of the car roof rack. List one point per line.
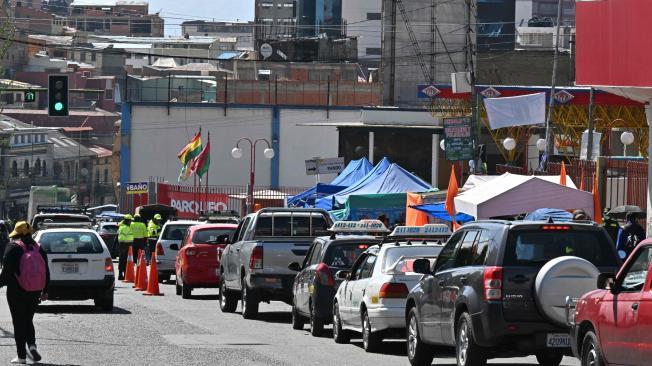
(64, 209)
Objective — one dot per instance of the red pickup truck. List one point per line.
(613, 325)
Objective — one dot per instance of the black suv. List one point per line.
(498, 289)
(316, 284)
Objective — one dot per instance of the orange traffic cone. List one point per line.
(129, 271)
(137, 268)
(152, 287)
(142, 274)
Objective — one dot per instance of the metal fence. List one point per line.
(620, 181)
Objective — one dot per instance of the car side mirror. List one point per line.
(422, 266)
(607, 281)
(174, 246)
(342, 275)
(294, 266)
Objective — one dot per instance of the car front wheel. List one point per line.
(419, 353)
(468, 352)
(591, 352)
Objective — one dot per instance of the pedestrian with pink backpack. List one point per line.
(26, 274)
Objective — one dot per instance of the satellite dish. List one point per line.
(266, 50)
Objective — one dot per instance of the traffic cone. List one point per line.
(129, 271)
(142, 277)
(152, 287)
(137, 267)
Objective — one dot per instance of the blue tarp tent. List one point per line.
(309, 196)
(353, 173)
(326, 203)
(543, 214)
(438, 211)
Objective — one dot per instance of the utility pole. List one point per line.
(392, 54)
(550, 141)
(433, 41)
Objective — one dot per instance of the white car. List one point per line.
(80, 264)
(168, 245)
(372, 298)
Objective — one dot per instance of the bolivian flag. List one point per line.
(188, 154)
(202, 163)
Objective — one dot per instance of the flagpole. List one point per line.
(207, 172)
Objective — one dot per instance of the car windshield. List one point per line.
(111, 229)
(402, 258)
(211, 236)
(536, 247)
(343, 255)
(175, 231)
(70, 242)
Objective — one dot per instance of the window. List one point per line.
(315, 256)
(22, 139)
(356, 271)
(16, 137)
(175, 232)
(240, 231)
(373, 51)
(446, 257)
(368, 267)
(108, 94)
(37, 167)
(106, 175)
(211, 236)
(404, 256)
(464, 255)
(44, 170)
(97, 176)
(14, 169)
(26, 168)
(291, 225)
(482, 247)
(535, 247)
(70, 242)
(637, 273)
(344, 255)
(374, 16)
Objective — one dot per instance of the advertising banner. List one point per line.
(189, 204)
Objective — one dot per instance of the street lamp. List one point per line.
(237, 153)
(627, 138)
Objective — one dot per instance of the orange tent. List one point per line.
(414, 217)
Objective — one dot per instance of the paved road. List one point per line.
(169, 330)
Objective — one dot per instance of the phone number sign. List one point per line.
(458, 135)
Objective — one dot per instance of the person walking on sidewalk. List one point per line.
(139, 229)
(125, 240)
(26, 274)
(153, 231)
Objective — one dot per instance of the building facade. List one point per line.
(316, 18)
(115, 17)
(243, 32)
(274, 19)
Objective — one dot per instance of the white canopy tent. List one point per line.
(474, 181)
(511, 194)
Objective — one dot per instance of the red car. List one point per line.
(198, 260)
(613, 325)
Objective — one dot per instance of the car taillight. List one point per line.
(159, 249)
(555, 227)
(493, 283)
(256, 259)
(323, 275)
(393, 290)
(108, 265)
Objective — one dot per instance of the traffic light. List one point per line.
(58, 95)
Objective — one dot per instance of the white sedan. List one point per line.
(372, 298)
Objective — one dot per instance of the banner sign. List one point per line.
(189, 204)
(458, 135)
(137, 188)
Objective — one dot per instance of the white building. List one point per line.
(363, 20)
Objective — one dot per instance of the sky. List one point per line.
(219, 10)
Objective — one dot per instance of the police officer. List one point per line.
(139, 229)
(153, 231)
(125, 240)
(610, 225)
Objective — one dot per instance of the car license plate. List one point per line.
(558, 340)
(70, 268)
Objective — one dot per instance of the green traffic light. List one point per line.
(58, 106)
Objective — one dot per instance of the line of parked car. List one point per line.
(491, 289)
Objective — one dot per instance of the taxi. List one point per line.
(315, 284)
(372, 297)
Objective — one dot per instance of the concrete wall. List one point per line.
(156, 137)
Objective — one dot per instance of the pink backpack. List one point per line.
(32, 268)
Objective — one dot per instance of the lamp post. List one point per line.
(627, 138)
(237, 154)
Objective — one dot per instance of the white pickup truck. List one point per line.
(254, 268)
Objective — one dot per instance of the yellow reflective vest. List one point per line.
(139, 230)
(125, 234)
